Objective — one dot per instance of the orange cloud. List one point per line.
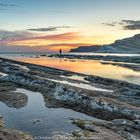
(66, 41)
(64, 46)
(54, 42)
(55, 37)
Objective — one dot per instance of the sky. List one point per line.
(48, 25)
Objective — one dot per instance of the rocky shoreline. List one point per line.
(135, 67)
(123, 61)
(10, 97)
(121, 104)
(134, 59)
(7, 134)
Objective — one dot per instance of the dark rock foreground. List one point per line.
(119, 109)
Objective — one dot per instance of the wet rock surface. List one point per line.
(7, 134)
(120, 87)
(10, 97)
(119, 108)
(121, 129)
(70, 97)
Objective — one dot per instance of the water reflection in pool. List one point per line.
(90, 67)
(52, 119)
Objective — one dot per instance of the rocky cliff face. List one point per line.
(127, 45)
(130, 45)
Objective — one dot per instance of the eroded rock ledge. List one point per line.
(134, 59)
(7, 134)
(109, 106)
(10, 97)
(120, 108)
(72, 97)
(118, 129)
(119, 87)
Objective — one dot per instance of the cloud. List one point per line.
(56, 46)
(13, 35)
(16, 49)
(30, 41)
(62, 37)
(36, 42)
(71, 45)
(4, 7)
(108, 24)
(8, 5)
(131, 24)
(51, 28)
(53, 37)
(48, 48)
(60, 12)
(126, 24)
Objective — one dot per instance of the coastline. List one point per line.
(121, 104)
(107, 59)
(11, 134)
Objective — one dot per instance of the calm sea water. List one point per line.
(90, 67)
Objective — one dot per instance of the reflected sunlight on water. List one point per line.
(90, 67)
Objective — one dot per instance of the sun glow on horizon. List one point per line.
(66, 41)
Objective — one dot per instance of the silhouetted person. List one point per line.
(60, 51)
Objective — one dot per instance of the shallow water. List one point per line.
(111, 62)
(52, 119)
(34, 54)
(80, 85)
(3, 74)
(20, 66)
(75, 77)
(89, 67)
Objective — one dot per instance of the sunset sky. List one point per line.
(48, 25)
